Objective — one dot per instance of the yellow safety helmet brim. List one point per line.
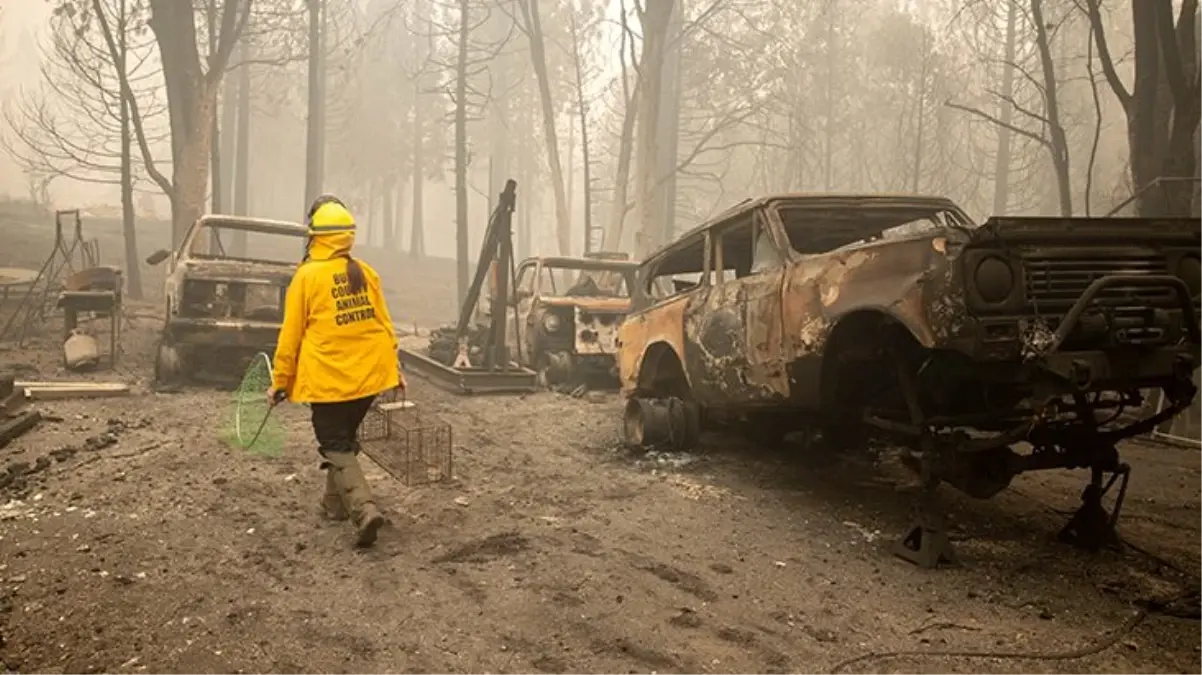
(331, 217)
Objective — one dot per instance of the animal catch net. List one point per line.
(249, 423)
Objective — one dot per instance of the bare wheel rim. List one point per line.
(632, 423)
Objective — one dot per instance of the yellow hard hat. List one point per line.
(329, 217)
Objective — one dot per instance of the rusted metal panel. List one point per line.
(732, 341)
(661, 325)
(893, 280)
(597, 332)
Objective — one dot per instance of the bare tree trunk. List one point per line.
(461, 214)
(1058, 141)
(242, 152)
(417, 244)
(1001, 168)
(368, 216)
(191, 102)
(612, 240)
(570, 174)
(499, 25)
(668, 128)
(920, 112)
(538, 59)
(192, 171)
(315, 125)
(655, 18)
(217, 193)
(523, 211)
(228, 132)
(525, 219)
(398, 216)
(129, 229)
(582, 110)
(389, 236)
(828, 123)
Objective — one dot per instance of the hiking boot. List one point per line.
(331, 502)
(356, 496)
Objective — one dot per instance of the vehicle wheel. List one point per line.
(687, 424)
(634, 424)
(555, 368)
(664, 422)
(168, 363)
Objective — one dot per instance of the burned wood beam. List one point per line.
(15, 427)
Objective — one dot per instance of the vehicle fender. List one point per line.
(907, 312)
(656, 356)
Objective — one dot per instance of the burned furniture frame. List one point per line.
(956, 387)
(96, 291)
(71, 254)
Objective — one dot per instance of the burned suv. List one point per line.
(225, 290)
(568, 313)
(897, 317)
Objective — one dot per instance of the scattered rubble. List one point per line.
(15, 477)
(13, 422)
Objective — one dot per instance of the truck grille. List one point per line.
(1055, 282)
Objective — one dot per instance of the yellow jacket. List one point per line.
(334, 346)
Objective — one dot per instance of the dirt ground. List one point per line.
(135, 541)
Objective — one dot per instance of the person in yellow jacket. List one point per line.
(337, 350)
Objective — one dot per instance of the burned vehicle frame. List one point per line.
(568, 311)
(224, 289)
(896, 317)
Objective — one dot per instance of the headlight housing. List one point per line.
(994, 279)
(551, 323)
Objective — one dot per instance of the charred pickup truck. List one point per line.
(568, 313)
(897, 317)
(225, 290)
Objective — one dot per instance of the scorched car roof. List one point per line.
(254, 224)
(812, 200)
(583, 263)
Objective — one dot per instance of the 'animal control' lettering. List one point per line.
(350, 307)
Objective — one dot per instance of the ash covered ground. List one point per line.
(133, 540)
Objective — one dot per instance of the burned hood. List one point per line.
(237, 270)
(588, 303)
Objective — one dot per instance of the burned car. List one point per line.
(568, 313)
(225, 288)
(981, 351)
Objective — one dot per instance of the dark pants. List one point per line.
(336, 425)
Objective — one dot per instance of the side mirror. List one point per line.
(158, 256)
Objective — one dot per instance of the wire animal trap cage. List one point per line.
(412, 445)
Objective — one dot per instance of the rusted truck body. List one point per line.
(568, 313)
(898, 317)
(224, 290)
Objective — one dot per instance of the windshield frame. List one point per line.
(599, 267)
(215, 230)
(942, 214)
